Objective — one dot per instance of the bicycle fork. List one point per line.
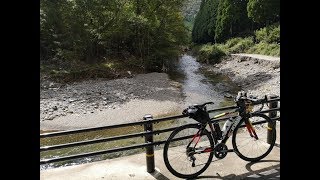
(250, 128)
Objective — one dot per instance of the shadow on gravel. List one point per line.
(252, 80)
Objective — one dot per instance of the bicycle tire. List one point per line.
(170, 141)
(259, 129)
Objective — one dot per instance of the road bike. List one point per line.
(189, 149)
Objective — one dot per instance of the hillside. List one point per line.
(189, 11)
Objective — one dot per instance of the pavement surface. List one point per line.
(134, 167)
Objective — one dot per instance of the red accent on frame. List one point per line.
(194, 137)
(249, 129)
(255, 135)
(198, 139)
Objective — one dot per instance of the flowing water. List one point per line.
(199, 86)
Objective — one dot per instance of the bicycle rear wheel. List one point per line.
(246, 146)
(180, 159)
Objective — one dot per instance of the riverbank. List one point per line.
(258, 75)
(102, 102)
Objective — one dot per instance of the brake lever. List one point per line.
(262, 104)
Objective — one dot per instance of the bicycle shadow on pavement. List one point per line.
(271, 172)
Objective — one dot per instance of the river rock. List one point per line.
(54, 108)
(227, 95)
(95, 95)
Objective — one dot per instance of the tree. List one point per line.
(204, 26)
(89, 31)
(264, 11)
(231, 20)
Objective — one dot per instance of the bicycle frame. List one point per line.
(224, 139)
(198, 138)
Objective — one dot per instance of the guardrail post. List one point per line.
(272, 114)
(148, 127)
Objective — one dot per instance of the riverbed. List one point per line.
(106, 102)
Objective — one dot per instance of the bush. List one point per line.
(232, 42)
(269, 34)
(265, 49)
(237, 45)
(268, 43)
(242, 45)
(211, 54)
(195, 48)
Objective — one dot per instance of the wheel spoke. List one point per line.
(176, 158)
(251, 149)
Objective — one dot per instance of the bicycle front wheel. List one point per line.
(181, 151)
(250, 138)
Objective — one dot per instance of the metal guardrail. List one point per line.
(148, 133)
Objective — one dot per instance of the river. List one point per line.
(198, 86)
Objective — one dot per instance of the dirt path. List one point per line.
(258, 56)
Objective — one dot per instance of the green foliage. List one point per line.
(269, 38)
(246, 45)
(265, 49)
(264, 11)
(219, 20)
(239, 45)
(204, 26)
(210, 54)
(232, 19)
(269, 34)
(232, 42)
(90, 31)
(233, 31)
(224, 20)
(190, 8)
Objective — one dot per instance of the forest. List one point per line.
(236, 26)
(97, 38)
(140, 34)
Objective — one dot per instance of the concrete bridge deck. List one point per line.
(134, 167)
